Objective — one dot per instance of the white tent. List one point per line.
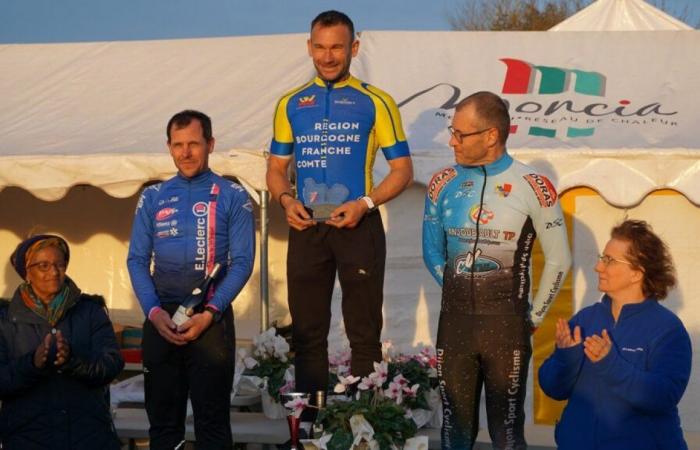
(83, 128)
(620, 15)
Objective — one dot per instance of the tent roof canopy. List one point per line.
(620, 15)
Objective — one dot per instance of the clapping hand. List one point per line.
(563, 336)
(41, 353)
(597, 347)
(62, 349)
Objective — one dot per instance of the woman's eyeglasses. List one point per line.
(606, 260)
(45, 266)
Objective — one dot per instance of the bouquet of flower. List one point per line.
(417, 371)
(270, 362)
(373, 414)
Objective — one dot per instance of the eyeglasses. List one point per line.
(459, 135)
(606, 260)
(45, 266)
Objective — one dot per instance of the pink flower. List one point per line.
(412, 391)
(400, 380)
(395, 392)
(297, 405)
(381, 372)
(287, 387)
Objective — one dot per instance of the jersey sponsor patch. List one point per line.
(165, 213)
(543, 188)
(504, 189)
(200, 209)
(438, 182)
(485, 216)
(306, 101)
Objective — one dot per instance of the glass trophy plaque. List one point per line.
(323, 200)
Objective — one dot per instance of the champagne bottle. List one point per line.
(196, 298)
(320, 404)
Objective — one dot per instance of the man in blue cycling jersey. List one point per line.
(331, 128)
(479, 227)
(183, 227)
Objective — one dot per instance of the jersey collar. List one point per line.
(494, 168)
(346, 82)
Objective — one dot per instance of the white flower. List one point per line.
(381, 371)
(297, 405)
(281, 348)
(249, 362)
(344, 382)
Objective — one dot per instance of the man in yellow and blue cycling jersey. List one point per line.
(331, 128)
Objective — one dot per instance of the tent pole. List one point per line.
(264, 286)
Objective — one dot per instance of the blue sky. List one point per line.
(97, 20)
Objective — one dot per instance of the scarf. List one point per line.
(53, 312)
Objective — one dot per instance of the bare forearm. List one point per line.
(277, 181)
(398, 179)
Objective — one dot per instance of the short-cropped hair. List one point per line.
(648, 253)
(333, 17)
(492, 110)
(184, 118)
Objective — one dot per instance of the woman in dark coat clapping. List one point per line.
(58, 354)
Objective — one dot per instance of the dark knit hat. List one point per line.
(18, 259)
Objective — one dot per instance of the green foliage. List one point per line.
(273, 369)
(391, 427)
(512, 15)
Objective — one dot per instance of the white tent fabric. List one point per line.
(601, 109)
(620, 15)
(604, 109)
(614, 111)
(107, 104)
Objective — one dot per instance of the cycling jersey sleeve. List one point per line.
(241, 238)
(434, 242)
(283, 139)
(140, 252)
(548, 221)
(389, 130)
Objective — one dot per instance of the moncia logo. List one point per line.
(524, 78)
(200, 209)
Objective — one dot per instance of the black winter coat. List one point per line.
(64, 409)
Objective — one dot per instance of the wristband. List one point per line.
(368, 200)
(216, 314)
(152, 311)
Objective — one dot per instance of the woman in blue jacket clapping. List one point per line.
(623, 363)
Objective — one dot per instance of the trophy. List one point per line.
(294, 419)
(321, 199)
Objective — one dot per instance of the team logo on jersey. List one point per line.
(439, 181)
(200, 209)
(544, 189)
(344, 101)
(484, 218)
(504, 189)
(248, 206)
(475, 262)
(307, 101)
(165, 213)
